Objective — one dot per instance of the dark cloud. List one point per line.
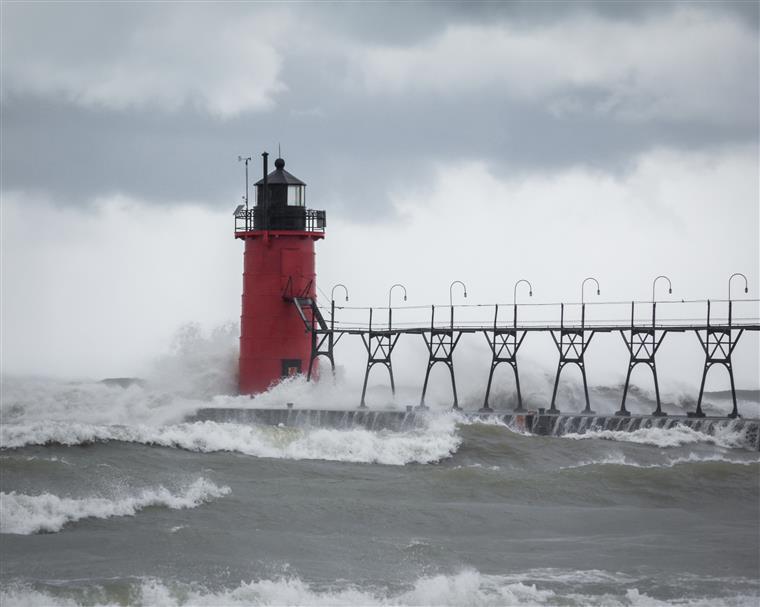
(351, 146)
(351, 157)
(406, 23)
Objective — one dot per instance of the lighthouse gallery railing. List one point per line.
(280, 218)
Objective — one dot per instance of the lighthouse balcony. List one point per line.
(288, 218)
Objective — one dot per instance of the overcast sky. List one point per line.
(482, 142)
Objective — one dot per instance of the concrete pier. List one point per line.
(534, 422)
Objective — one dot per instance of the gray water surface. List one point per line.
(585, 521)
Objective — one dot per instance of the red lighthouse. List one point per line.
(279, 277)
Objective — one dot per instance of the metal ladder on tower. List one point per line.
(322, 335)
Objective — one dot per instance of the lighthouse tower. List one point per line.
(279, 279)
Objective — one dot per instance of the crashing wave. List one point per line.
(464, 588)
(26, 514)
(676, 436)
(433, 443)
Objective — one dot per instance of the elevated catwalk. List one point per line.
(534, 422)
(570, 328)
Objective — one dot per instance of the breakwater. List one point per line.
(746, 431)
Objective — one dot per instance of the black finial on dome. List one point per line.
(279, 164)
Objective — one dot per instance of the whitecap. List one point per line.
(26, 514)
(466, 587)
(618, 459)
(676, 436)
(438, 440)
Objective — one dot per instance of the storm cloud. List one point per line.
(157, 100)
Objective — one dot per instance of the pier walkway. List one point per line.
(643, 326)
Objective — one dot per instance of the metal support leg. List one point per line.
(642, 346)
(735, 411)
(313, 359)
(658, 412)
(422, 404)
(718, 344)
(363, 404)
(553, 409)
(440, 345)
(699, 412)
(378, 352)
(504, 344)
(623, 410)
(519, 394)
(453, 385)
(587, 409)
(486, 406)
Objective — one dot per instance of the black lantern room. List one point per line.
(281, 200)
(280, 204)
(285, 190)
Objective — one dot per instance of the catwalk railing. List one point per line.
(718, 325)
(289, 218)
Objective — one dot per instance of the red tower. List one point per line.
(279, 233)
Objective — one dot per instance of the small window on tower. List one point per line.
(295, 196)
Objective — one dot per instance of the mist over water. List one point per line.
(109, 496)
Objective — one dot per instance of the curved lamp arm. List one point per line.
(530, 290)
(654, 283)
(390, 291)
(746, 288)
(583, 284)
(451, 291)
(332, 293)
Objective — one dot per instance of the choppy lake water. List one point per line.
(109, 498)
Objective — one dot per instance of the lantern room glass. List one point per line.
(296, 196)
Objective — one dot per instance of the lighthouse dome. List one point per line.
(280, 176)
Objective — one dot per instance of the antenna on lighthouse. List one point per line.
(247, 159)
(265, 157)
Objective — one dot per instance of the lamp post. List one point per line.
(332, 303)
(746, 290)
(390, 292)
(654, 303)
(514, 296)
(598, 292)
(451, 297)
(654, 283)
(583, 303)
(332, 292)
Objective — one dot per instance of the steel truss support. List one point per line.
(642, 344)
(504, 344)
(718, 345)
(379, 345)
(323, 339)
(440, 344)
(571, 345)
(322, 344)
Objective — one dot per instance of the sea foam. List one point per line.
(676, 436)
(618, 459)
(467, 587)
(26, 514)
(432, 443)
